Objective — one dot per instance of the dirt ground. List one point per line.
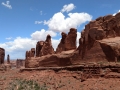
(62, 80)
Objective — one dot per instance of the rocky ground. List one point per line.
(61, 80)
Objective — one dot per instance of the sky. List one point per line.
(24, 22)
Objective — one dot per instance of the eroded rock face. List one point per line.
(106, 27)
(99, 42)
(39, 46)
(70, 40)
(30, 53)
(47, 47)
(61, 59)
(2, 55)
(61, 46)
(111, 48)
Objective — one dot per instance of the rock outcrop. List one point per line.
(39, 46)
(111, 48)
(64, 58)
(99, 42)
(8, 59)
(47, 47)
(30, 53)
(2, 55)
(65, 52)
(106, 27)
(61, 45)
(70, 40)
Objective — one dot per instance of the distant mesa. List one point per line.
(99, 42)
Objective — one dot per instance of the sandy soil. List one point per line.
(62, 80)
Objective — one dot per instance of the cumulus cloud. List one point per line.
(116, 13)
(18, 46)
(60, 23)
(7, 4)
(41, 35)
(57, 23)
(68, 8)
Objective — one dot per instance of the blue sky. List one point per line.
(24, 22)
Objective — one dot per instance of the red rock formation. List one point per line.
(98, 30)
(39, 46)
(32, 54)
(61, 46)
(20, 63)
(2, 55)
(100, 41)
(111, 48)
(47, 47)
(26, 55)
(8, 59)
(61, 59)
(70, 40)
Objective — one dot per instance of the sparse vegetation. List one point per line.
(20, 84)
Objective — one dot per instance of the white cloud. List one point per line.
(55, 43)
(116, 13)
(41, 35)
(60, 23)
(9, 38)
(78, 37)
(17, 47)
(38, 22)
(68, 8)
(7, 4)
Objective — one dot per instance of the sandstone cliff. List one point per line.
(99, 42)
(107, 27)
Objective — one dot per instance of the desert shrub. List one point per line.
(20, 84)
